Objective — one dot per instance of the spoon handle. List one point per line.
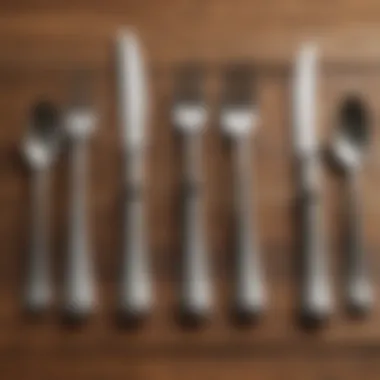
(80, 290)
(359, 291)
(38, 284)
(250, 291)
(317, 297)
(196, 286)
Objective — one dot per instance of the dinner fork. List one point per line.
(239, 120)
(80, 123)
(190, 117)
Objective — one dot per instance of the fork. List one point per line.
(239, 120)
(189, 117)
(80, 124)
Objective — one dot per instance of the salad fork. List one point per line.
(239, 121)
(189, 118)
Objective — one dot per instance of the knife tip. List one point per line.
(309, 50)
(126, 35)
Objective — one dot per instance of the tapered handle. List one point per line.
(196, 293)
(250, 291)
(80, 295)
(317, 298)
(136, 288)
(38, 292)
(196, 285)
(359, 293)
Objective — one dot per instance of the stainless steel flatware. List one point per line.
(316, 292)
(80, 124)
(189, 117)
(40, 148)
(136, 297)
(350, 142)
(239, 121)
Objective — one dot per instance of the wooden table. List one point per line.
(43, 43)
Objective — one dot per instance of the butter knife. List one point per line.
(316, 294)
(136, 288)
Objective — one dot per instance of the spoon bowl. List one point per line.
(41, 144)
(352, 135)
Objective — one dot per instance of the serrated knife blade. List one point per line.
(132, 88)
(304, 100)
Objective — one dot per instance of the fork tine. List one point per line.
(81, 88)
(190, 83)
(239, 82)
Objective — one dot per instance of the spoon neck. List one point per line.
(353, 178)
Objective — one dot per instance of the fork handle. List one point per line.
(38, 284)
(196, 285)
(250, 291)
(80, 287)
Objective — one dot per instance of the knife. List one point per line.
(316, 295)
(136, 289)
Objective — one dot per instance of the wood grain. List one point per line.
(44, 42)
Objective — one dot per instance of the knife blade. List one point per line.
(132, 83)
(304, 106)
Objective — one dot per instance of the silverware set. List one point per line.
(48, 132)
(349, 142)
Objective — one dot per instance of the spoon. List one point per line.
(40, 148)
(349, 146)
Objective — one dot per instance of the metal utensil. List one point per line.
(136, 296)
(80, 123)
(239, 121)
(189, 117)
(40, 148)
(316, 293)
(350, 143)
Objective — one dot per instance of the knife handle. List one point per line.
(80, 287)
(250, 291)
(38, 293)
(136, 289)
(196, 285)
(359, 291)
(317, 298)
